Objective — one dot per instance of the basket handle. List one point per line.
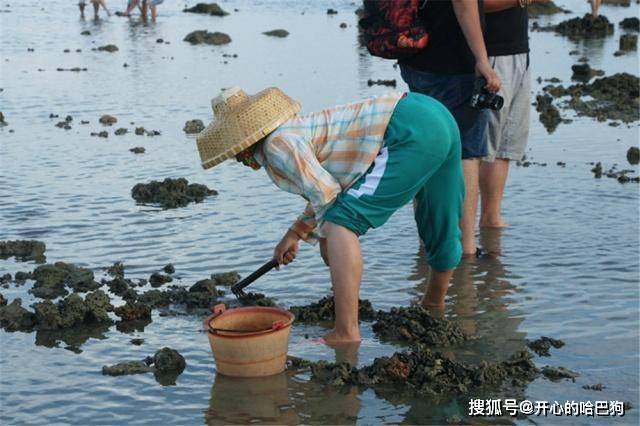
(277, 325)
(218, 310)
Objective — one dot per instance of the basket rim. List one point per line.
(245, 309)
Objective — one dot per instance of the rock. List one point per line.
(205, 37)
(332, 11)
(226, 279)
(3, 301)
(633, 155)
(121, 131)
(549, 114)
(428, 374)
(585, 27)
(132, 311)
(137, 341)
(207, 286)
(13, 317)
(108, 48)
(138, 150)
(546, 8)
(256, 299)
(631, 24)
(86, 33)
(207, 9)
(116, 270)
(596, 387)
(157, 279)
(277, 33)
(51, 280)
(391, 83)
(169, 268)
(23, 250)
(558, 373)
(628, 42)
(324, 310)
(169, 360)
(193, 126)
(6, 278)
(597, 170)
(2, 122)
(614, 97)
(170, 193)
(126, 368)
(155, 298)
(584, 73)
(108, 120)
(416, 325)
(542, 345)
(22, 276)
(74, 69)
(343, 25)
(140, 131)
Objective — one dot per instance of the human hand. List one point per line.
(484, 69)
(287, 248)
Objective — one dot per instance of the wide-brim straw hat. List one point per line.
(241, 120)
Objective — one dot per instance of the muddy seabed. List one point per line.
(567, 268)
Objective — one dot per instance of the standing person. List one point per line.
(81, 5)
(152, 5)
(446, 70)
(355, 165)
(96, 8)
(507, 40)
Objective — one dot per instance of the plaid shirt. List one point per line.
(320, 155)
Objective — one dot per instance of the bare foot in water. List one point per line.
(335, 338)
(499, 223)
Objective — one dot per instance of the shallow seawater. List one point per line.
(569, 265)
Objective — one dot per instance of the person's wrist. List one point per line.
(292, 233)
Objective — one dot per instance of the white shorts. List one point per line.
(508, 129)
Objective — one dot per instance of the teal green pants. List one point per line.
(420, 159)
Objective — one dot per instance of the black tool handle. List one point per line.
(254, 276)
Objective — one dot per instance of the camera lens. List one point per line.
(496, 103)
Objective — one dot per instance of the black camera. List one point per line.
(482, 98)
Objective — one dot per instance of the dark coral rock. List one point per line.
(51, 280)
(3, 301)
(167, 360)
(335, 374)
(13, 317)
(558, 373)
(226, 279)
(628, 42)
(546, 8)
(23, 250)
(324, 310)
(155, 298)
(277, 33)
(256, 299)
(193, 126)
(138, 150)
(137, 341)
(108, 48)
(126, 368)
(108, 120)
(121, 131)
(22, 276)
(73, 311)
(390, 83)
(131, 311)
(416, 325)
(116, 270)
(633, 156)
(596, 387)
(549, 114)
(170, 193)
(207, 9)
(5, 278)
(542, 345)
(584, 73)
(587, 27)
(169, 268)
(157, 279)
(205, 37)
(632, 24)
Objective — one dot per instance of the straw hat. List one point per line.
(241, 121)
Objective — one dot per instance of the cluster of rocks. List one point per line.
(584, 72)
(628, 43)
(416, 325)
(546, 8)
(542, 345)
(23, 250)
(323, 310)
(621, 176)
(170, 193)
(548, 113)
(585, 27)
(631, 24)
(614, 97)
(52, 280)
(166, 365)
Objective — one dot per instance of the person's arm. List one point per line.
(292, 165)
(468, 17)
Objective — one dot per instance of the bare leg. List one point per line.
(437, 290)
(493, 177)
(595, 7)
(132, 5)
(471, 168)
(96, 9)
(81, 6)
(345, 260)
(154, 13)
(143, 10)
